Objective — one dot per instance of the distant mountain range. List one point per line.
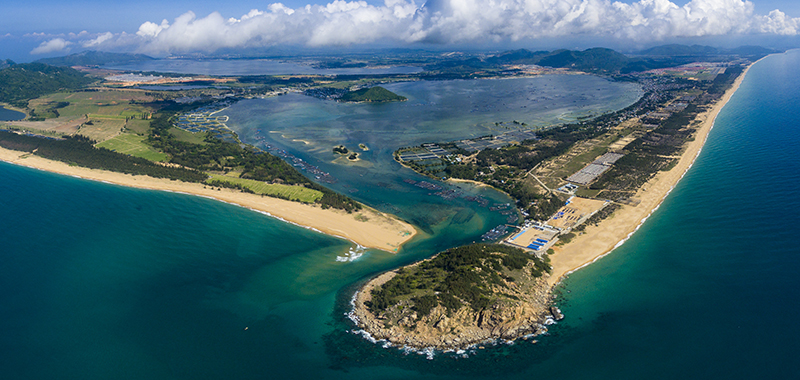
(595, 60)
(604, 60)
(94, 58)
(675, 50)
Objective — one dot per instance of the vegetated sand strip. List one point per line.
(597, 241)
(372, 229)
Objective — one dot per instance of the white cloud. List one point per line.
(151, 29)
(344, 22)
(99, 40)
(52, 46)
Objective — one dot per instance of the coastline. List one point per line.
(373, 229)
(590, 245)
(598, 241)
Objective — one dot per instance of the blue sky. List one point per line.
(39, 28)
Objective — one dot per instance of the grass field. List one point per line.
(140, 127)
(101, 128)
(295, 193)
(134, 145)
(107, 103)
(189, 137)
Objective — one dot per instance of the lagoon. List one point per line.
(10, 115)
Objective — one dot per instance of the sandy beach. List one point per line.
(590, 245)
(598, 241)
(368, 227)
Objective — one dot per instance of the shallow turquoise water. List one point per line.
(100, 281)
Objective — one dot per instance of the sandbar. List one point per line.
(368, 228)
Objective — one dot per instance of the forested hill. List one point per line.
(602, 60)
(375, 94)
(22, 82)
(92, 58)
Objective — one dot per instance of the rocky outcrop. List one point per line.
(506, 318)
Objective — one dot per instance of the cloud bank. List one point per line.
(342, 23)
(52, 46)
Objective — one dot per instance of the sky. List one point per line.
(43, 28)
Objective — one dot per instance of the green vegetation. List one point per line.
(133, 145)
(375, 94)
(94, 58)
(472, 276)
(221, 156)
(341, 149)
(98, 103)
(289, 192)
(656, 150)
(80, 151)
(22, 82)
(199, 138)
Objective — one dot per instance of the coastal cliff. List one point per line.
(462, 296)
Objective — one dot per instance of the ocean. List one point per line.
(100, 281)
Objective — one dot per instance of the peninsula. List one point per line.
(516, 305)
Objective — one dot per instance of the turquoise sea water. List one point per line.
(100, 281)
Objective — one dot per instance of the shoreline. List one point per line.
(375, 229)
(598, 241)
(595, 242)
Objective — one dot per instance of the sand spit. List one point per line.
(368, 227)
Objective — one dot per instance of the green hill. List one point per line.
(94, 58)
(673, 50)
(374, 95)
(597, 59)
(22, 82)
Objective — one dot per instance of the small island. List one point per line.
(341, 149)
(375, 94)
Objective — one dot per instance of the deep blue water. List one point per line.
(100, 281)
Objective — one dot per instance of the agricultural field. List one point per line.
(107, 103)
(295, 193)
(101, 128)
(133, 145)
